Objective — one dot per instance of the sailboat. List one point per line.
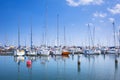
(45, 51)
(32, 51)
(88, 49)
(113, 50)
(58, 50)
(19, 51)
(7, 48)
(91, 50)
(119, 42)
(65, 51)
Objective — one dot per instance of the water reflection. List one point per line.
(44, 59)
(78, 63)
(32, 58)
(19, 60)
(116, 67)
(104, 56)
(72, 67)
(72, 57)
(116, 62)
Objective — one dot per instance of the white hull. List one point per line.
(78, 50)
(32, 53)
(57, 52)
(97, 51)
(45, 52)
(111, 51)
(19, 53)
(92, 52)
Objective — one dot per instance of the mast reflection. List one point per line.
(18, 60)
(78, 63)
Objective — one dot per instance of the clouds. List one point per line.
(75, 3)
(101, 15)
(115, 9)
(111, 19)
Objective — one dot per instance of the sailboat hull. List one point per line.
(32, 53)
(45, 53)
(19, 53)
(65, 52)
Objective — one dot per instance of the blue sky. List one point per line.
(73, 14)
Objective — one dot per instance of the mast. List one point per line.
(5, 44)
(31, 35)
(46, 24)
(64, 36)
(94, 36)
(88, 35)
(25, 42)
(119, 38)
(114, 33)
(19, 35)
(57, 29)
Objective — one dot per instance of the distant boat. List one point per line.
(91, 50)
(32, 51)
(113, 50)
(76, 50)
(9, 50)
(19, 51)
(58, 49)
(44, 50)
(65, 50)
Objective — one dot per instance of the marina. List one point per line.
(59, 40)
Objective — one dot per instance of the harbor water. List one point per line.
(72, 67)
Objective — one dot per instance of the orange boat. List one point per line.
(65, 52)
